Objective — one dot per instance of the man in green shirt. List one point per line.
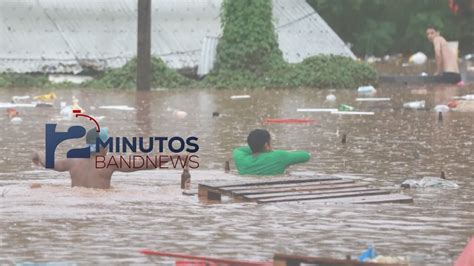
(259, 158)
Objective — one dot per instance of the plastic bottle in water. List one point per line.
(345, 107)
(367, 89)
(186, 179)
(415, 105)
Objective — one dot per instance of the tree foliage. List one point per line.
(378, 27)
(248, 55)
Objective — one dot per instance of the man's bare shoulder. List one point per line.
(439, 39)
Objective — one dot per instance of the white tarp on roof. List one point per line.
(67, 36)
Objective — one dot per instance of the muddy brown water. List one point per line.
(56, 223)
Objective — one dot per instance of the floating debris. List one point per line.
(117, 107)
(331, 98)
(46, 97)
(236, 97)
(288, 120)
(366, 89)
(351, 113)
(345, 107)
(372, 99)
(317, 110)
(428, 181)
(17, 99)
(180, 114)
(465, 97)
(418, 58)
(414, 105)
(441, 108)
(62, 78)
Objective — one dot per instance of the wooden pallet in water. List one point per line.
(324, 190)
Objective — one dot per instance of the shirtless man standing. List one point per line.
(446, 62)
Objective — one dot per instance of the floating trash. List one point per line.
(366, 89)
(317, 110)
(415, 105)
(464, 106)
(40, 104)
(441, 108)
(236, 97)
(117, 107)
(465, 97)
(67, 111)
(351, 113)
(331, 98)
(423, 74)
(288, 120)
(14, 105)
(429, 181)
(418, 58)
(372, 99)
(16, 120)
(17, 99)
(180, 114)
(368, 254)
(46, 97)
(12, 112)
(62, 78)
(345, 107)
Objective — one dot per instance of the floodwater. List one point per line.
(145, 210)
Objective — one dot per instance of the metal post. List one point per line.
(144, 45)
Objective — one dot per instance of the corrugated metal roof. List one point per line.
(208, 55)
(303, 33)
(66, 36)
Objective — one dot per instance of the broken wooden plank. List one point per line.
(389, 198)
(310, 187)
(209, 193)
(324, 196)
(277, 186)
(286, 181)
(306, 193)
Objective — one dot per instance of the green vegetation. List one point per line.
(248, 55)
(125, 77)
(17, 80)
(379, 27)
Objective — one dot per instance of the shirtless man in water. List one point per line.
(84, 172)
(446, 61)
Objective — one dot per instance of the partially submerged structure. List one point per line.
(53, 36)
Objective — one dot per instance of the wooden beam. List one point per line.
(144, 45)
(312, 192)
(324, 196)
(309, 187)
(293, 185)
(290, 181)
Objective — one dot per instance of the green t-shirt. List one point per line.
(267, 163)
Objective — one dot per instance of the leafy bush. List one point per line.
(248, 55)
(377, 27)
(125, 77)
(16, 80)
(248, 41)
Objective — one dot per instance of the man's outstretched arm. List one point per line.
(38, 158)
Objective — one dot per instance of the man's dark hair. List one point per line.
(91, 136)
(431, 26)
(257, 139)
